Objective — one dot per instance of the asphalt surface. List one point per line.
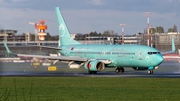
(85, 74)
(166, 70)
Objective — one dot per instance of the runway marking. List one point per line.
(52, 68)
(36, 64)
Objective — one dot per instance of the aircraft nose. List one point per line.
(159, 59)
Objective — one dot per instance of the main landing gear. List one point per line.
(92, 72)
(150, 71)
(119, 69)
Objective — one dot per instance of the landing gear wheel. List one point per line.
(119, 69)
(92, 72)
(150, 71)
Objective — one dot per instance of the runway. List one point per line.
(166, 70)
(85, 74)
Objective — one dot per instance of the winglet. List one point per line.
(173, 46)
(7, 47)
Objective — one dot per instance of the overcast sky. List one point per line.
(83, 16)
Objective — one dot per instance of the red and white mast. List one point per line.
(148, 27)
(151, 37)
(122, 32)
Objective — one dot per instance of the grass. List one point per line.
(88, 88)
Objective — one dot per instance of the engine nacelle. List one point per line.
(94, 65)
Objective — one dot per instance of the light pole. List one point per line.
(148, 26)
(122, 32)
(151, 36)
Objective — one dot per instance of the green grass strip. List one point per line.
(89, 89)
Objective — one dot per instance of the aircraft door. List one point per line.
(140, 55)
(104, 55)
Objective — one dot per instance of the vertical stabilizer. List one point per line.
(64, 36)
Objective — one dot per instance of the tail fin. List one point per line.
(64, 36)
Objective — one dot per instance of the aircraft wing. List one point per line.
(169, 52)
(70, 58)
(172, 51)
(61, 58)
(64, 58)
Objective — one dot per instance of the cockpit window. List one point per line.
(149, 53)
(153, 53)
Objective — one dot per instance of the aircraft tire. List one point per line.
(117, 70)
(121, 69)
(150, 71)
(94, 72)
(90, 72)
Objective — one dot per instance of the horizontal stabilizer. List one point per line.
(172, 51)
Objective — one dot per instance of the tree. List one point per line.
(109, 33)
(153, 30)
(94, 34)
(48, 37)
(112, 33)
(79, 36)
(175, 28)
(106, 33)
(159, 29)
(170, 30)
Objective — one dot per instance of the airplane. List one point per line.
(95, 58)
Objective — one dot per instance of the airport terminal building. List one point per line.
(10, 35)
(21, 43)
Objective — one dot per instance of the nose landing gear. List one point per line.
(150, 71)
